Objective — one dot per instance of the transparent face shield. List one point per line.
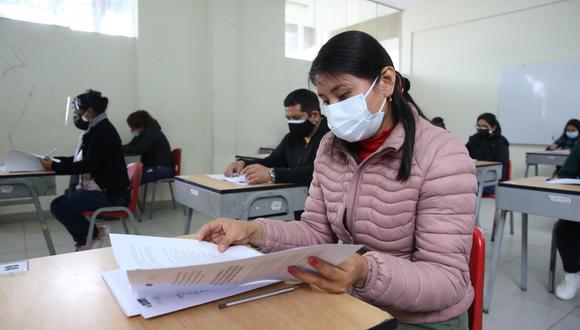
(71, 108)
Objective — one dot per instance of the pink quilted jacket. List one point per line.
(418, 233)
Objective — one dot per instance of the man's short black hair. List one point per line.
(307, 99)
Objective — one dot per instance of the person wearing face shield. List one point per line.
(385, 178)
(83, 125)
(569, 137)
(100, 163)
(292, 161)
(488, 144)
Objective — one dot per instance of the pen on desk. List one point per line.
(257, 297)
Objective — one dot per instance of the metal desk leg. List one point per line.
(38, 208)
(479, 197)
(552, 273)
(494, 260)
(536, 165)
(527, 170)
(524, 280)
(188, 221)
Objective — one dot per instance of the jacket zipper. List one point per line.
(353, 198)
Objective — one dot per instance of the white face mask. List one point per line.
(351, 120)
(572, 135)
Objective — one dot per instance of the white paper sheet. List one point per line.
(156, 305)
(564, 181)
(273, 266)
(14, 267)
(239, 180)
(147, 252)
(19, 161)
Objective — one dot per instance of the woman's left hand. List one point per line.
(335, 279)
(46, 163)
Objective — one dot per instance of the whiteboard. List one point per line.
(536, 101)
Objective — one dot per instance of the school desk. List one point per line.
(67, 292)
(216, 198)
(535, 196)
(488, 175)
(555, 158)
(26, 187)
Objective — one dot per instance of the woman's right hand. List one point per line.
(225, 232)
(235, 168)
(552, 147)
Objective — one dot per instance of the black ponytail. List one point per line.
(359, 54)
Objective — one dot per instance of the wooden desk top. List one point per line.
(224, 187)
(25, 174)
(67, 292)
(484, 163)
(539, 183)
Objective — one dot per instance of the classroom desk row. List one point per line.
(46, 298)
(535, 196)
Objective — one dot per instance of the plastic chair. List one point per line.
(496, 217)
(477, 275)
(176, 161)
(135, 170)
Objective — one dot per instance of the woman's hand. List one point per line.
(225, 232)
(552, 147)
(335, 279)
(46, 163)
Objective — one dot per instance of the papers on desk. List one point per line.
(564, 181)
(240, 180)
(163, 275)
(19, 161)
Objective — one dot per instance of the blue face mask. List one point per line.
(572, 135)
(135, 133)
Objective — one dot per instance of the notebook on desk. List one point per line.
(162, 275)
(20, 161)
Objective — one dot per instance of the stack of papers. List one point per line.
(19, 161)
(163, 275)
(241, 179)
(564, 181)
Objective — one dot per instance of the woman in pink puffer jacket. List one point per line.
(385, 178)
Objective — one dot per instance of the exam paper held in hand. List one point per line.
(188, 272)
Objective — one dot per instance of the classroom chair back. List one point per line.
(134, 170)
(476, 275)
(176, 161)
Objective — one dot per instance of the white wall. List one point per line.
(251, 75)
(212, 72)
(39, 66)
(454, 51)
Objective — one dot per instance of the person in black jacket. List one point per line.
(149, 142)
(488, 144)
(293, 160)
(100, 163)
(569, 137)
(567, 234)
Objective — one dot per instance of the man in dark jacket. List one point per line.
(293, 160)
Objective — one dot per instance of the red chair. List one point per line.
(176, 161)
(119, 212)
(477, 275)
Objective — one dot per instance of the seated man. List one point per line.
(293, 160)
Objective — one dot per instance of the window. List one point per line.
(114, 17)
(310, 23)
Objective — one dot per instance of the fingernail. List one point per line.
(292, 270)
(312, 261)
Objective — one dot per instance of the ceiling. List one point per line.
(400, 4)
